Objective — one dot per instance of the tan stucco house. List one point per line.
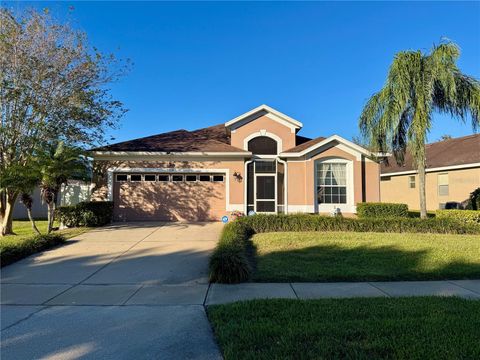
(254, 162)
(452, 173)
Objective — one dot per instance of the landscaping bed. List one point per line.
(354, 256)
(368, 328)
(234, 258)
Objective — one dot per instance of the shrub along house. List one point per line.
(452, 173)
(256, 161)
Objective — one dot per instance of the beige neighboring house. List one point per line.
(452, 173)
(254, 162)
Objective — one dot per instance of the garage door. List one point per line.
(168, 197)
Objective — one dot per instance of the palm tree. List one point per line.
(58, 164)
(27, 200)
(399, 116)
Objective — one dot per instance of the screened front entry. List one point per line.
(265, 186)
(265, 193)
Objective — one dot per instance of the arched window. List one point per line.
(262, 145)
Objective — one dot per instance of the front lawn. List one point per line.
(355, 256)
(374, 328)
(26, 242)
(23, 230)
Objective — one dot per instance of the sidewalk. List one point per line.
(221, 293)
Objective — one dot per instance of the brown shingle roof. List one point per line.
(304, 145)
(457, 151)
(210, 139)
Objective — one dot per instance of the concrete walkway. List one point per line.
(128, 291)
(221, 294)
(133, 291)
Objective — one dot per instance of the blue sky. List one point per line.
(200, 64)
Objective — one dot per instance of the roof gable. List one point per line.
(317, 143)
(261, 111)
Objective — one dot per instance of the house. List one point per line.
(452, 173)
(254, 162)
(72, 193)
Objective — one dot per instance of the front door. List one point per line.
(265, 194)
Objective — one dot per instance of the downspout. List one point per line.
(285, 182)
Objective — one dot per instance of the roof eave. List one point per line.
(170, 154)
(337, 138)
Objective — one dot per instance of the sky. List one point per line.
(204, 63)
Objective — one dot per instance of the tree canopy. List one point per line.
(53, 86)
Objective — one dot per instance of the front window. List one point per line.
(332, 183)
(411, 182)
(262, 145)
(443, 184)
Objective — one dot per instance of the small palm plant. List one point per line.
(27, 200)
(58, 164)
(399, 117)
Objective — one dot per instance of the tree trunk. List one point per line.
(3, 197)
(32, 220)
(421, 188)
(7, 218)
(50, 217)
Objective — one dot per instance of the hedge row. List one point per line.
(381, 210)
(230, 261)
(306, 222)
(89, 213)
(12, 250)
(468, 217)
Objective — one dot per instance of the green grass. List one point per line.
(22, 244)
(23, 229)
(350, 256)
(375, 328)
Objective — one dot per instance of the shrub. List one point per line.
(381, 210)
(12, 250)
(229, 262)
(88, 213)
(463, 216)
(416, 214)
(473, 202)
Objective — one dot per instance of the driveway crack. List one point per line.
(118, 256)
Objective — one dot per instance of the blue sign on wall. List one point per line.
(225, 219)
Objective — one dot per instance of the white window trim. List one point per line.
(345, 208)
(226, 172)
(267, 134)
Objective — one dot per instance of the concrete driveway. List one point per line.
(127, 291)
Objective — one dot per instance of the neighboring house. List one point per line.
(255, 162)
(70, 194)
(452, 173)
